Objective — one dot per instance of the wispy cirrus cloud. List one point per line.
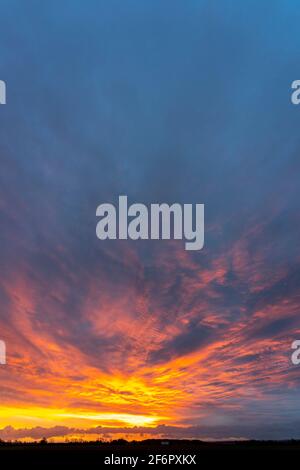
(195, 342)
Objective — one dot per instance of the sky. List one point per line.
(162, 101)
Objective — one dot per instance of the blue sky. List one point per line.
(164, 102)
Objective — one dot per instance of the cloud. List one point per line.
(195, 337)
(225, 432)
(143, 100)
